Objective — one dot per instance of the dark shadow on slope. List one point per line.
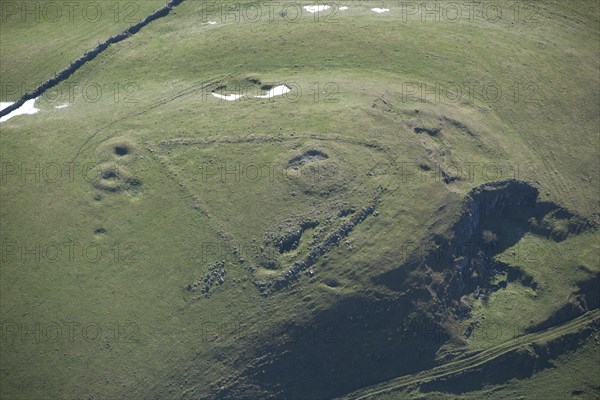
(520, 364)
(364, 340)
(358, 342)
(495, 218)
(585, 299)
(557, 223)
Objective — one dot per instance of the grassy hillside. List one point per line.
(117, 210)
(41, 38)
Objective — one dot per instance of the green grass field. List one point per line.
(115, 206)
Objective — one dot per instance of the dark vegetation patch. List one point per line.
(100, 231)
(306, 157)
(589, 292)
(429, 131)
(345, 212)
(108, 180)
(118, 148)
(109, 174)
(557, 223)
(247, 86)
(459, 125)
(113, 178)
(133, 182)
(121, 150)
(331, 282)
(448, 178)
(383, 105)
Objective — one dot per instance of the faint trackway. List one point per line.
(193, 89)
(90, 55)
(477, 359)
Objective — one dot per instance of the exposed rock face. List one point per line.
(494, 218)
(466, 260)
(493, 199)
(383, 335)
(465, 256)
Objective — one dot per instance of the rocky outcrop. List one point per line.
(493, 199)
(468, 261)
(294, 272)
(462, 261)
(291, 240)
(215, 275)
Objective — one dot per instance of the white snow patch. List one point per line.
(316, 8)
(380, 10)
(212, 22)
(27, 108)
(276, 91)
(62, 106)
(228, 97)
(343, 8)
